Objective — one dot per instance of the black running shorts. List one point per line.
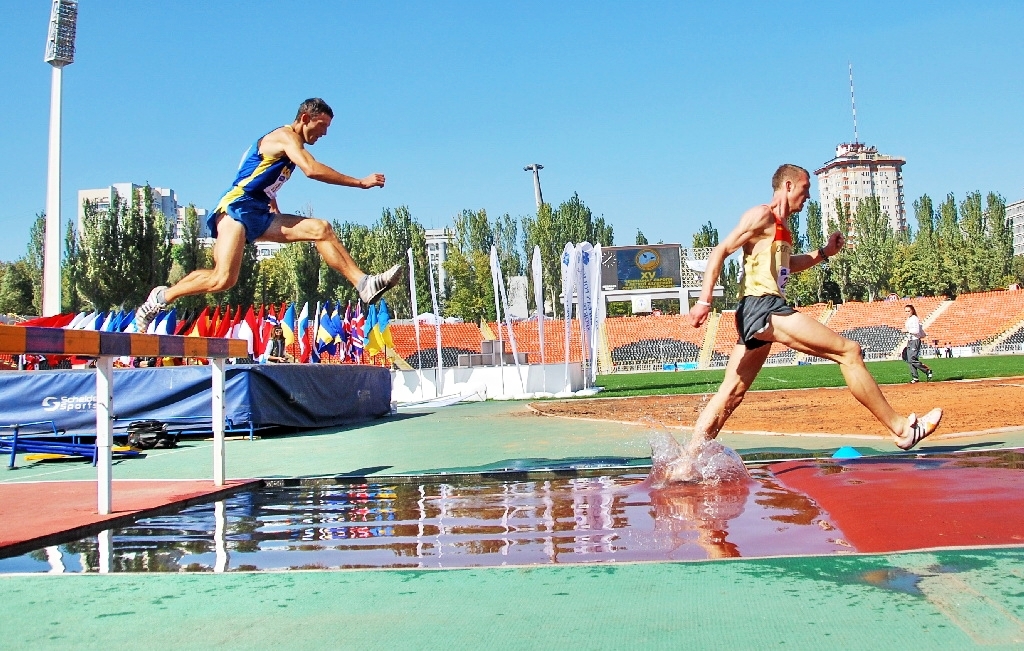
(752, 317)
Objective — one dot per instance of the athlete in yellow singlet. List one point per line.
(763, 317)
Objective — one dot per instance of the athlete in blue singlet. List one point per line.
(248, 212)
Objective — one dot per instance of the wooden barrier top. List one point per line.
(16, 340)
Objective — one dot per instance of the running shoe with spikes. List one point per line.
(148, 310)
(919, 428)
(371, 288)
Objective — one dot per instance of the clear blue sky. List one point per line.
(660, 116)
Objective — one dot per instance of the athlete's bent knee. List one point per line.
(222, 282)
(322, 230)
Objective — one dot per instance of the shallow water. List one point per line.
(437, 524)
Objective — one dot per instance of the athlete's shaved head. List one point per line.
(787, 172)
(313, 107)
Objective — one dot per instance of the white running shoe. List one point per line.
(148, 310)
(371, 288)
(919, 428)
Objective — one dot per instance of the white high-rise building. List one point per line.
(857, 172)
(164, 199)
(1015, 217)
(438, 241)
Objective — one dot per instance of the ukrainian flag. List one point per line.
(379, 337)
(288, 324)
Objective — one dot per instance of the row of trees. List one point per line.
(964, 246)
(120, 253)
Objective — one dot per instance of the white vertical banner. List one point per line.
(415, 306)
(538, 293)
(568, 287)
(597, 310)
(437, 332)
(499, 290)
(495, 282)
(585, 307)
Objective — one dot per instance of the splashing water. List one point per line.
(711, 464)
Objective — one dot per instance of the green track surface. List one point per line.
(473, 437)
(948, 600)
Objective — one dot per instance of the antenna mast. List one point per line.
(853, 105)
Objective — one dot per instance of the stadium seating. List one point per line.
(976, 319)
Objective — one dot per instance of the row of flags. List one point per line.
(344, 331)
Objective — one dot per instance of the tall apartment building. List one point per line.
(1015, 216)
(438, 241)
(164, 199)
(857, 172)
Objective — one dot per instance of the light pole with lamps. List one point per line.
(60, 51)
(536, 168)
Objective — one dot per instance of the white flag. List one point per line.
(568, 286)
(538, 293)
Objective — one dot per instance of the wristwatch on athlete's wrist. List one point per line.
(821, 252)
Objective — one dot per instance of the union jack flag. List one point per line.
(357, 337)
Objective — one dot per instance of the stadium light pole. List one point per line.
(536, 168)
(60, 51)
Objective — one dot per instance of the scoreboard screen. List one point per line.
(654, 266)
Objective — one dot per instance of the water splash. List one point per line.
(710, 464)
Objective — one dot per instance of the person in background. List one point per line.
(276, 352)
(917, 334)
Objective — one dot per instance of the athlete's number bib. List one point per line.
(272, 189)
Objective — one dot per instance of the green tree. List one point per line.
(189, 256)
(124, 251)
(468, 265)
(244, 291)
(16, 289)
(71, 269)
(950, 248)
(641, 239)
(874, 248)
(34, 260)
(706, 237)
(841, 264)
(1000, 240)
(275, 280)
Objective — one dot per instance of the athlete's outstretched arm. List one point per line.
(293, 147)
(752, 223)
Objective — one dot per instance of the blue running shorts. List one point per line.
(253, 214)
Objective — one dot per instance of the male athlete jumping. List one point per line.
(763, 316)
(248, 212)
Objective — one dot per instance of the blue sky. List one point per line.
(662, 116)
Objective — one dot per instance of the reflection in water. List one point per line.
(700, 513)
(456, 524)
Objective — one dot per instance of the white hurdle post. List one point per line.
(217, 386)
(104, 431)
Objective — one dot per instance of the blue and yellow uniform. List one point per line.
(248, 199)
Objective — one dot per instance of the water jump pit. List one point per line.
(789, 508)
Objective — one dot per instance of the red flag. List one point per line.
(224, 327)
(202, 325)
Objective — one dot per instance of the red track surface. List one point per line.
(37, 510)
(889, 505)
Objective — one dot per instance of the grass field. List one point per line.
(802, 377)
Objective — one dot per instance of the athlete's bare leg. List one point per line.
(227, 260)
(806, 335)
(294, 228)
(744, 365)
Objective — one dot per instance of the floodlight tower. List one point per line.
(60, 51)
(536, 168)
